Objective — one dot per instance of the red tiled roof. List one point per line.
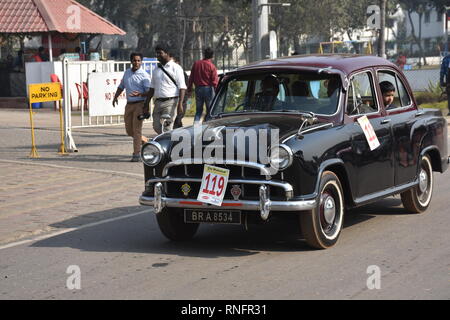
(36, 16)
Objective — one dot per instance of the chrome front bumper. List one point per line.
(264, 205)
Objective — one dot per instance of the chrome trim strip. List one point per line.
(308, 130)
(264, 170)
(290, 206)
(289, 190)
(264, 202)
(158, 204)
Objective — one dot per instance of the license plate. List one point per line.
(213, 217)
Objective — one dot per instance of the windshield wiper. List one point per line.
(237, 112)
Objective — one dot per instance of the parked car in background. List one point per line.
(333, 146)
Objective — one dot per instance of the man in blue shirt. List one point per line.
(445, 77)
(135, 81)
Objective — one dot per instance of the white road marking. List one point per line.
(64, 231)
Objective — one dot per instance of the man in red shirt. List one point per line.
(204, 77)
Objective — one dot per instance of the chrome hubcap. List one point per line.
(329, 210)
(423, 181)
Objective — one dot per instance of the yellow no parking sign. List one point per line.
(44, 92)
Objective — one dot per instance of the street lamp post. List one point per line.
(260, 12)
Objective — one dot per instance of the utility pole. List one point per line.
(260, 26)
(382, 39)
(260, 10)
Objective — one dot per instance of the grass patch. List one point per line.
(436, 105)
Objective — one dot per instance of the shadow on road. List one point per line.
(140, 234)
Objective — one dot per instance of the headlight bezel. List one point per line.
(288, 160)
(158, 148)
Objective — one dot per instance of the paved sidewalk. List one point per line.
(55, 193)
(45, 199)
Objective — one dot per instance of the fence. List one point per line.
(421, 79)
(78, 104)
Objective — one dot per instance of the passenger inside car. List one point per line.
(333, 89)
(300, 92)
(388, 92)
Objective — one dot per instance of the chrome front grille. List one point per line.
(249, 177)
(196, 171)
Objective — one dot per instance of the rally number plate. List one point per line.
(213, 217)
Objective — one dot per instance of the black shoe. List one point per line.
(144, 116)
(136, 158)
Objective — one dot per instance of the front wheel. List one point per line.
(418, 199)
(322, 226)
(172, 225)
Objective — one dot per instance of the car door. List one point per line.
(372, 170)
(406, 138)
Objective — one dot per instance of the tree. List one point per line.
(111, 9)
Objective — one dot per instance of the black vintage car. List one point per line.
(306, 135)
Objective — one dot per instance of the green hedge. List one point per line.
(437, 105)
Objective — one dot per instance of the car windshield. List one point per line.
(281, 92)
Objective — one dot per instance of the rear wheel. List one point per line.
(172, 225)
(418, 199)
(322, 226)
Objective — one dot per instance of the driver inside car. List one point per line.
(267, 99)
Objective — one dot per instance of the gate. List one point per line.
(77, 100)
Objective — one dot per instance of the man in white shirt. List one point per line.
(168, 87)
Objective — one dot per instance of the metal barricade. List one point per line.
(75, 82)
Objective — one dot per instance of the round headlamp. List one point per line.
(281, 157)
(152, 154)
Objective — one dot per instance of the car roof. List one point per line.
(346, 63)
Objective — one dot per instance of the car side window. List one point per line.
(361, 95)
(403, 93)
(389, 77)
(401, 96)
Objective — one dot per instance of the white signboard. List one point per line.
(102, 89)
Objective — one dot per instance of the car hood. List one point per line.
(287, 124)
(268, 129)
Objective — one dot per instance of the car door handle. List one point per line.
(386, 121)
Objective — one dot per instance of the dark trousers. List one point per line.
(203, 95)
(448, 98)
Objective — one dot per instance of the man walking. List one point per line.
(136, 81)
(204, 77)
(169, 89)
